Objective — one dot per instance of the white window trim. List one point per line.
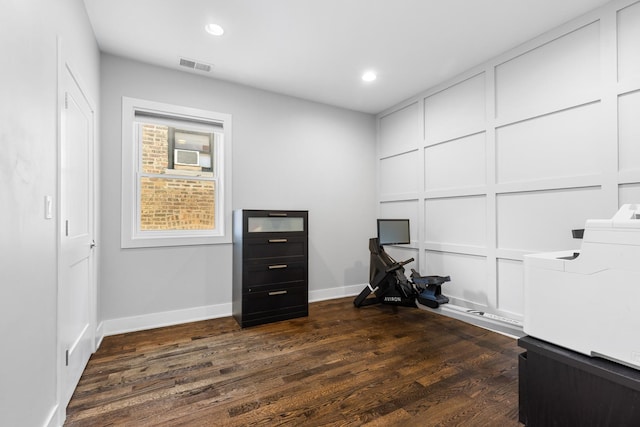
(130, 236)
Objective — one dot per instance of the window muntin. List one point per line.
(178, 186)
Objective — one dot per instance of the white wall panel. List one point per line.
(399, 131)
(542, 221)
(511, 287)
(399, 174)
(401, 210)
(629, 43)
(456, 220)
(562, 144)
(457, 163)
(517, 152)
(561, 73)
(456, 111)
(629, 131)
(629, 193)
(468, 273)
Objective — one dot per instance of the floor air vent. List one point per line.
(195, 65)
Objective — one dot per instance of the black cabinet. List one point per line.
(270, 266)
(559, 387)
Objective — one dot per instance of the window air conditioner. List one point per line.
(186, 157)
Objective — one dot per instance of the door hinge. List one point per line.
(66, 100)
(66, 358)
(66, 228)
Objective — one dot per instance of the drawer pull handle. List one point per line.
(277, 240)
(277, 293)
(277, 214)
(277, 266)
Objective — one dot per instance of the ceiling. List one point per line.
(318, 49)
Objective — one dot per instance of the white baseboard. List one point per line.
(54, 419)
(175, 317)
(334, 293)
(166, 318)
(99, 336)
(501, 325)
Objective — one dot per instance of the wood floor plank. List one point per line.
(342, 366)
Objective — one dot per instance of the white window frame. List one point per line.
(131, 235)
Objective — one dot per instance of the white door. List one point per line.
(76, 276)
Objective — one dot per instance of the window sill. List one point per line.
(164, 241)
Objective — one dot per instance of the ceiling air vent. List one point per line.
(200, 66)
(203, 67)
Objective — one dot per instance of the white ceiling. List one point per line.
(318, 49)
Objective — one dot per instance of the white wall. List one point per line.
(287, 154)
(506, 159)
(28, 141)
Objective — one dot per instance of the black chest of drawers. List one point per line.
(270, 266)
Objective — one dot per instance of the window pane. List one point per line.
(176, 151)
(176, 204)
(191, 150)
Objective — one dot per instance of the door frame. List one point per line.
(64, 66)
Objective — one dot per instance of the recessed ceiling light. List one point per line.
(369, 76)
(214, 29)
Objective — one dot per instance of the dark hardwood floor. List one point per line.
(342, 366)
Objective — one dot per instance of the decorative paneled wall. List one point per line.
(506, 159)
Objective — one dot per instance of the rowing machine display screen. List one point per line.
(393, 232)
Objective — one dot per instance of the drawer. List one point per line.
(250, 319)
(274, 298)
(261, 222)
(267, 274)
(275, 247)
(276, 223)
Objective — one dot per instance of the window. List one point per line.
(176, 175)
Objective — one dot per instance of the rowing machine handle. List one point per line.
(397, 265)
